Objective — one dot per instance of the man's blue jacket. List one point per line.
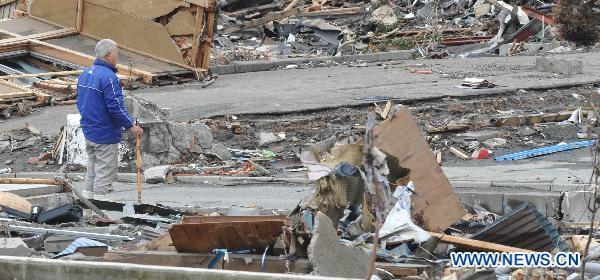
(100, 103)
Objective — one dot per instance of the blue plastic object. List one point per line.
(546, 150)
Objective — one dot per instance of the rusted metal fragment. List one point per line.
(202, 234)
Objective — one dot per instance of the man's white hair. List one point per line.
(104, 47)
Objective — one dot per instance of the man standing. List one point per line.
(103, 117)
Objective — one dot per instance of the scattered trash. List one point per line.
(476, 83)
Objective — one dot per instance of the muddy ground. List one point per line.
(306, 128)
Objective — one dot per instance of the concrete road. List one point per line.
(208, 196)
(545, 175)
(310, 89)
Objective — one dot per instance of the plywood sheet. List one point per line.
(147, 9)
(435, 205)
(5, 89)
(143, 35)
(15, 202)
(61, 12)
(182, 23)
(86, 45)
(26, 26)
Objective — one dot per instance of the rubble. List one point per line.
(324, 252)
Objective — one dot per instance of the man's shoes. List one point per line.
(87, 194)
(103, 195)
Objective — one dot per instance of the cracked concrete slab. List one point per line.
(331, 258)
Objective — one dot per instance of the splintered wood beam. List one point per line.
(84, 59)
(334, 12)
(16, 95)
(203, 3)
(40, 96)
(210, 23)
(291, 5)
(28, 181)
(198, 26)
(187, 67)
(79, 23)
(46, 74)
(477, 244)
(64, 32)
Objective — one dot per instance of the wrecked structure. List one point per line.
(49, 42)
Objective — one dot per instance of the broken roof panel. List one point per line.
(26, 26)
(87, 46)
(525, 227)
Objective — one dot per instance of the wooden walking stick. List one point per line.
(138, 163)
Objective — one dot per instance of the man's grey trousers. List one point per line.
(102, 167)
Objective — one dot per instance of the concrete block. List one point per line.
(329, 257)
(575, 207)
(558, 65)
(49, 201)
(493, 202)
(221, 151)
(545, 202)
(156, 174)
(13, 247)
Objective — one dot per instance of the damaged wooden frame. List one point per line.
(176, 32)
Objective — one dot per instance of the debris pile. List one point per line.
(279, 29)
(380, 205)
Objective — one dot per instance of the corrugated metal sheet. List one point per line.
(531, 29)
(546, 150)
(7, 10)
(526, 228)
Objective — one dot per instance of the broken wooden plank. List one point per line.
(459, 153)
(246, 11)
(202, 3)
(386, 110)
(476, 244)
(45, 74)
(27, 181)
(198, 26)
(532, 119)
(450, 128)
(291, 5)
(83, 59)
(79, 23)
(207, 39)
(265, 19)
(16, 95)
(232, 233)
(334, 12)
